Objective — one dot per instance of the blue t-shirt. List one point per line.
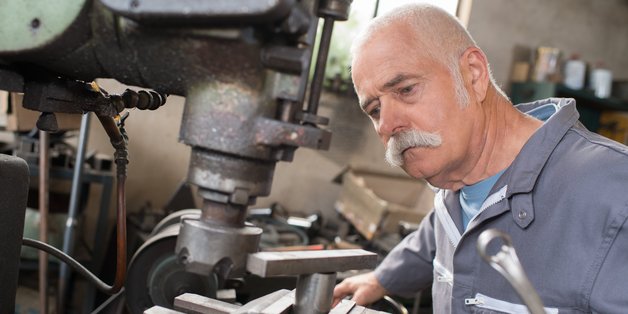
(473, 196)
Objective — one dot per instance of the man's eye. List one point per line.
(374, 113)
(406, 90)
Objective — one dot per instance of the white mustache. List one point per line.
(409, 139)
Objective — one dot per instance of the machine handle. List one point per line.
(506, 262)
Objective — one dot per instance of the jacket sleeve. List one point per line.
(408, 267)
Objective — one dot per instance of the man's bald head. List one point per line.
(435, 33)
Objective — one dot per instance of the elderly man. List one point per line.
(531, 170)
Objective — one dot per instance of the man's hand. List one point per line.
(365, 289)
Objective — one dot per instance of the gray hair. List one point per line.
(441, 35)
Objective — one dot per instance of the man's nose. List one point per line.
(391, 120)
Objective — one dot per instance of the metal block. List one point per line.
(260, 304)
(267, 264)
(193, 303)
(226, 295)
(161, 310)
(350, 307)
(283, 305)
(344, 307)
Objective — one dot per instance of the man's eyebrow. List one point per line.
(395, 80)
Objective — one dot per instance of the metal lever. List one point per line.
(507, 264)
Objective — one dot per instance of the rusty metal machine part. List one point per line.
(506, 262)
(215, 248)
(244, 74)
(231, 174)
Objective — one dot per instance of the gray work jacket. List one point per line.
(564, 202)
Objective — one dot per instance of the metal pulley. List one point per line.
(156, 277)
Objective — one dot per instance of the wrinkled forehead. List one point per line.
(389, 54)
(385, 44)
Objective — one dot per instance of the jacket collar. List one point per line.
(526, 168)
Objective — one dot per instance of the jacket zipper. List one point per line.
(489, 303)
(444, 275)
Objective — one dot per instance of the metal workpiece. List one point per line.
(160, 310)
(506, 262)
(279, 302)
(314, 293)
(269, 264)
(207, 247)
(199, 304)
(350, 307)
(344, 307)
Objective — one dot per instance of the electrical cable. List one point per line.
(66, 259)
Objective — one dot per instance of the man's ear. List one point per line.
(474, 69)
